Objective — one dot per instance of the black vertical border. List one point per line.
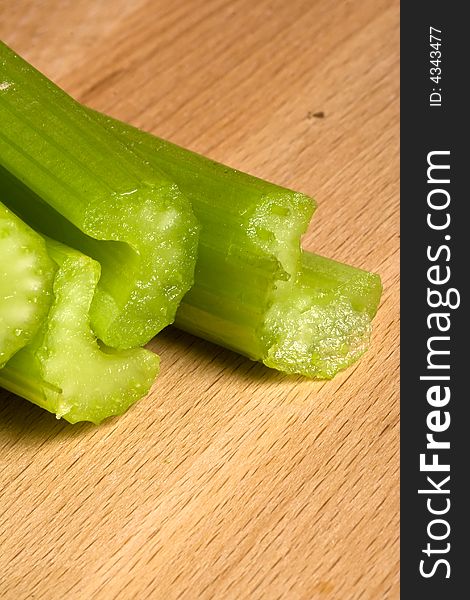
(424, 129)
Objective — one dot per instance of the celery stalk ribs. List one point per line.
(87, 189)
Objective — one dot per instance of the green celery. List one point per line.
(322, 324)
(26, 275)
(249, 240)
(71, 179)
(65, 369)
(254, 291)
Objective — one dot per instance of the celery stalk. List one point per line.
(65, 369)
(323, 323)
(71, 179)
(254, 291)
(249, 240)
(26, 274)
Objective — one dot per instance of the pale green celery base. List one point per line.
(26, 275)
(323, 323)
(81, 381)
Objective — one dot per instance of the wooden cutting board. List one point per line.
(229, 480)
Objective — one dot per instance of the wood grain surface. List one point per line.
(229, 480)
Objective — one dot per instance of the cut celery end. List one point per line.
(362, 288)
(239, 213)
(249, 240)
(64, 369)
(323, 324)
(75, 181)
(26, 275)
(255, 292)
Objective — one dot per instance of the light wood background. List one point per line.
(229, 480)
